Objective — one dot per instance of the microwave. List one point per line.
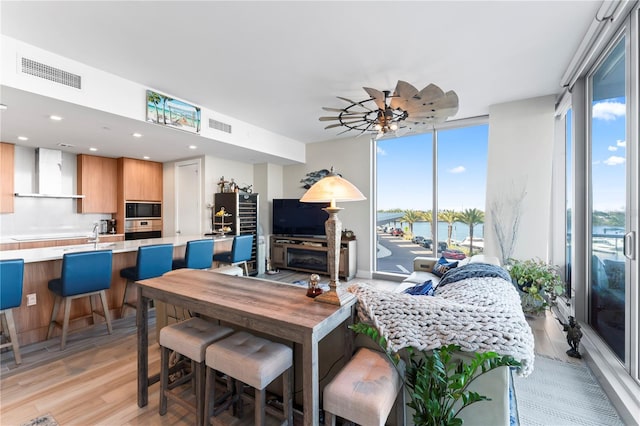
(141, 209)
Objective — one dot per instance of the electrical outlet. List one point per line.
(31, 299)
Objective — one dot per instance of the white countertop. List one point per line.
(55, 253)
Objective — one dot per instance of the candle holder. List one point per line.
(314, 287)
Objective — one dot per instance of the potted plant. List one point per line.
(437, 383)
(538, 282)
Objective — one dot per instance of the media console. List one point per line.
(310, 255)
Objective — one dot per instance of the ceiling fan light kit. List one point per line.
(405, 110)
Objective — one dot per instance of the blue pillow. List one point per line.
(440, 268)
(424, 289)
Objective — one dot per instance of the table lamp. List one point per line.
(332, 188)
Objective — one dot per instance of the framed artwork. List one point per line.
(164, 110)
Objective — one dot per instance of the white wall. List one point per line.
(521, 136)
(351, 158)
(45, 216)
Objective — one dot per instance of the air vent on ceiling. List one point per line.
(219, 125)
(50, 73)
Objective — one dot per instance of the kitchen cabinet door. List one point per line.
(98, 182)
(141, 180)
(7, 152)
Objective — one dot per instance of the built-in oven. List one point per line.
(140, 229)
(142, 210)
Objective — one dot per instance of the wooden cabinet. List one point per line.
(7, 154)
(310, 255)
(243, 209)
(141, 180)
(98, 182)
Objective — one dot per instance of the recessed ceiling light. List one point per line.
(93, 149)
(23, 138)
(192, 147)
(146, 157)
(55, 117)
(3, 106)
(136, 135)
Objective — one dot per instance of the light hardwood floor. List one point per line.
(94, 381)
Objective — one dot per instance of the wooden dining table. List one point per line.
(276, 309)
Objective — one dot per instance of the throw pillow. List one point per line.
(440, 268)
(424, 289)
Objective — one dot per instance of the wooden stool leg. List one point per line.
(246, 268)
(164, 379)
(13, 335)
(199, 379)
(209, 394)
(261, 399)
(124, 299)
(93, 310)
(54, 315)
(238, 406)
(329, 419)
(105, 310)
(65, 322)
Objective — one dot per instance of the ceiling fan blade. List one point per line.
(430, 93)
(377, 96)
(344, 115)
(331, 126)
(405, 90)
(334, 109)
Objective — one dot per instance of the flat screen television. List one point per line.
(293, 218)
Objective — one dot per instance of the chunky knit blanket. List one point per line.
(479, 314)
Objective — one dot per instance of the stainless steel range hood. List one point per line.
(48, 175)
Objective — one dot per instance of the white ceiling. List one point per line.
(275, 64)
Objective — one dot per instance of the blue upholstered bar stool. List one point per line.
(189, 338)
(152, 261)
(11, 276)
(84, 274)
(240, 252)
(198, 255)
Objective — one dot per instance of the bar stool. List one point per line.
(11, 276)
(240, 252)
(256, 362)
(198, 255)
(152, 261)
(364, 391)
(189, 338)
(84, 274)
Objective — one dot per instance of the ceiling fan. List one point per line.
(406, 108)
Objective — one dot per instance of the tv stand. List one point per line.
(309, 254)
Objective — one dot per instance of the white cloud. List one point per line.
(609, 110)
(380, 151)
(612, 148)
(622, 144)
(614, 161)
(459, 169)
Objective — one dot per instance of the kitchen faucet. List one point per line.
(96, 237)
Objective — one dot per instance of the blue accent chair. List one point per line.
(240, 252)
(84, 274)
(11, 276)
(152, 261)
(198, 255)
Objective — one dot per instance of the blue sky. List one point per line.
(405, 170)
(608, 154)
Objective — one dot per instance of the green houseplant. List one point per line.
(538, 282)
(437, 383)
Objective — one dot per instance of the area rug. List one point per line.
(560, 393)
(46, 420)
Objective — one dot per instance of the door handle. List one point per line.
(629, 248)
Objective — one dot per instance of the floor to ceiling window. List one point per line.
(608, 196)
(436, 177)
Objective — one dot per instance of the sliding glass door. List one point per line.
(608, 215)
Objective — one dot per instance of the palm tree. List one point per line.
(155, 99)
(471, 217)
(411, 217)
(449, 216)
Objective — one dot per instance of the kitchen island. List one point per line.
(44, 264)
